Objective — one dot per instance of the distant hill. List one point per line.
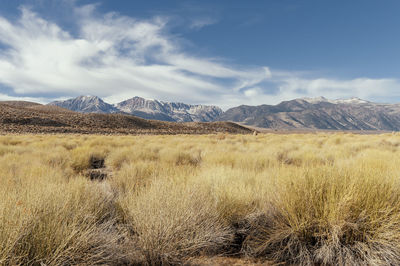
(144, 108)
(318, 113)
(26, 117)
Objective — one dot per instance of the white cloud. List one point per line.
(117, 57)
(295, 86)
(251, 93)
(114, 56)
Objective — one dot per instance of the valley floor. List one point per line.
(326, 198)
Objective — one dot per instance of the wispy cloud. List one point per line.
(117, 57)
(198, 23)
(291, 85)
(114, 56)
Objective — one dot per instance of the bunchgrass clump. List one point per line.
(174, 222)
(48, 219)
(297, 199)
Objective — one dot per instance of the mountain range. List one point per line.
(144, 108)
(303, 113)
(319, 113)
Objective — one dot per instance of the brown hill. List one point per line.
(21, 104)
(27, 117)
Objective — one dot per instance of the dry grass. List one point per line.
(329, 199)
(174, 221)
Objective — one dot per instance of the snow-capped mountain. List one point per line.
(169, 111)
(144, 108)
(319, 113)
(86, 104)
(353, 100)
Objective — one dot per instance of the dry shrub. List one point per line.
(11, 141)
(229, 159)
(330, 218)
(119, 157)
(146, 154)
(183, 158)
(69, 146)
(57, 158)
(283, 157)
(133, 177)
(47, 219)
(236, 195)
(4, 149)
(177, 157)
(174, 223)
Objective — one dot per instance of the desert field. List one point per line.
(325, 198)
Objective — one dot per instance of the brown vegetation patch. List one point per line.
(97, 174)
(96, 162)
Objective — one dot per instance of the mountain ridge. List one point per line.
(318, 113)
(301, 113)
(144, 108)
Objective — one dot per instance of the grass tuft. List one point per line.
(300, 199)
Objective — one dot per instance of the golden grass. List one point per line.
(298, 199)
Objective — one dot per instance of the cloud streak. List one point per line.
(202, 22)
(117, 57)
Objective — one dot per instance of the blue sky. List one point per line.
(225, 52)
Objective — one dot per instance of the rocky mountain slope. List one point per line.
(148, 109)
(304, 113)
(169, 111)
(27, 117)
(319, 113)
(86, 104)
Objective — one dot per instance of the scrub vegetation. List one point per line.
(306, 199)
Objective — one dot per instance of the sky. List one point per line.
(225, 52)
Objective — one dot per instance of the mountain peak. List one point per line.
(354, 100)
(88, 97)
(86, 104)
(169, 111)
(315, 99)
